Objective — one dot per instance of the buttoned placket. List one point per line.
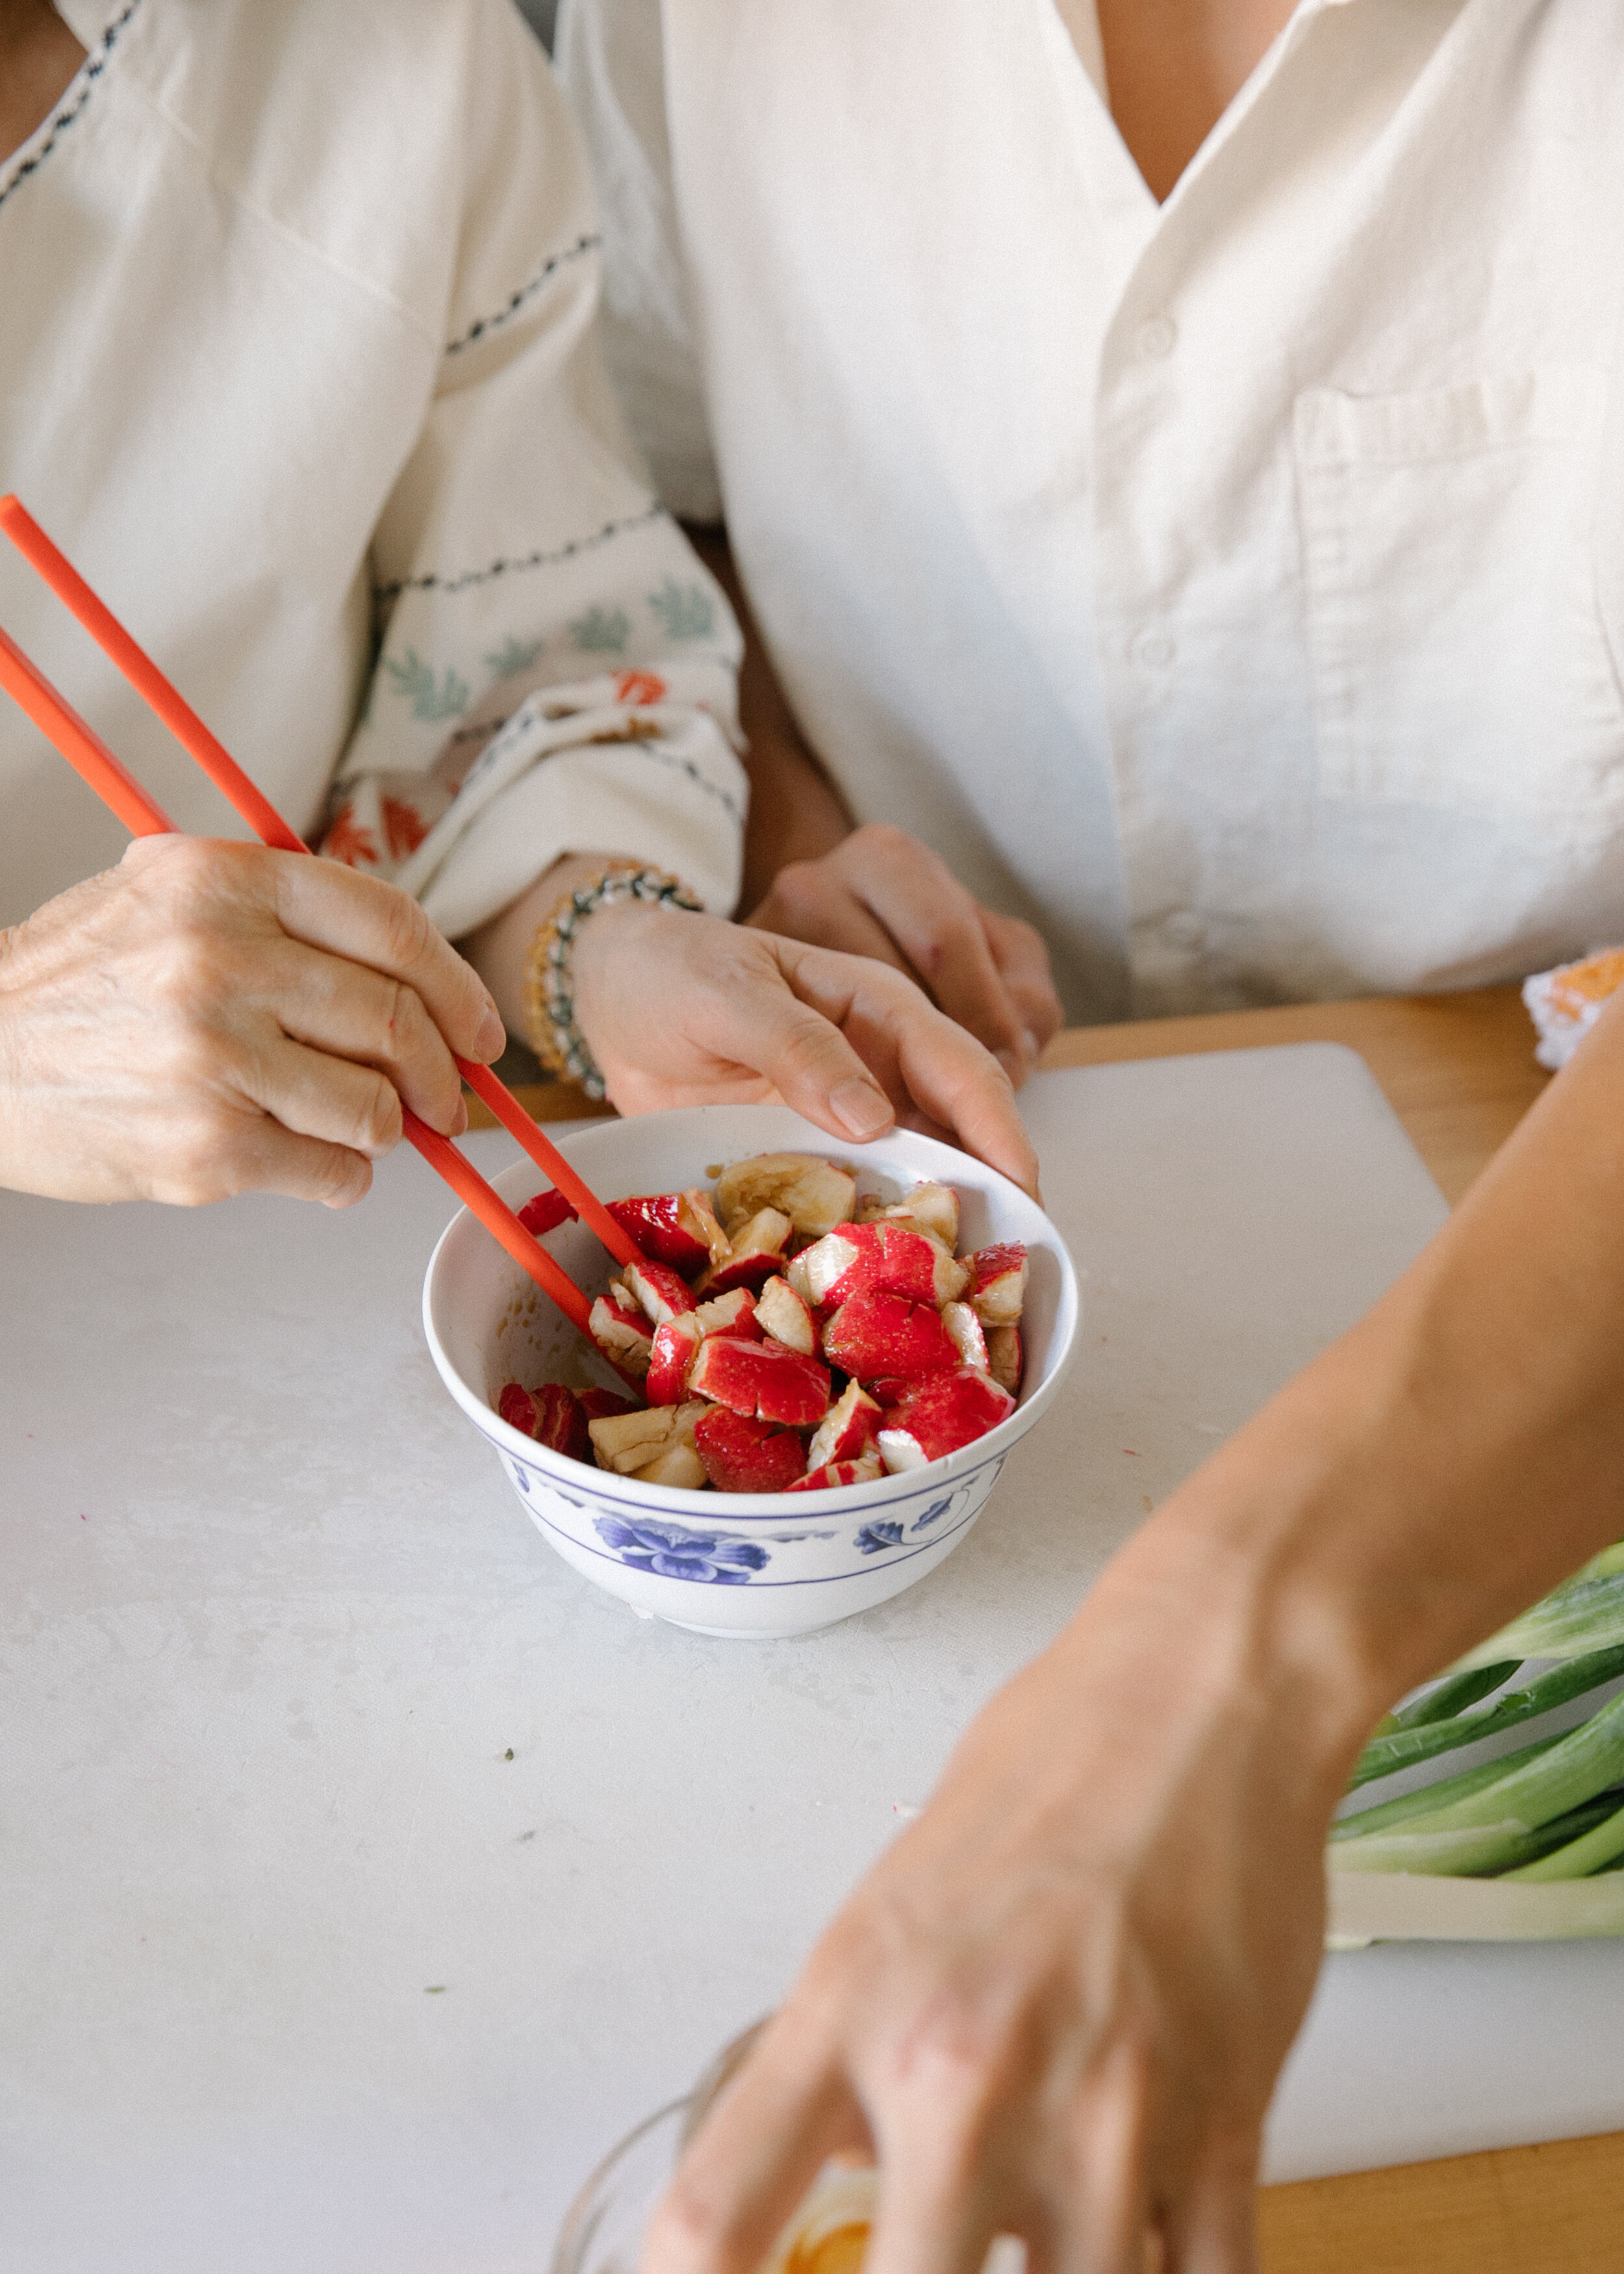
(1169, 873)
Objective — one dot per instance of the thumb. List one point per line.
(806, 1059)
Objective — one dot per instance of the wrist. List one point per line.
(1288, 1576)
(553, 1014)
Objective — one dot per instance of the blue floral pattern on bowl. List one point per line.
(875, 1539)
(671, 1551)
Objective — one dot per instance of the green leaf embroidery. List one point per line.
(514, 655)
(602, 631)
(686, 611)
(430, 698)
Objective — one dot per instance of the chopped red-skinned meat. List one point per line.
(997, 1284)
(968, 1339)
(623, 1335)
(938, 1416)
(813, 1193)
(561, 1422)
(847, 1430)
(876, 1336)
(755, 1254)
(863, 1470)
(734, 1313)
(601, 1405)
(761, 1379)
(672, 1353)
(785, 1317)
(896, 1258)
(679, 1229)
(660, 1292)
(743, 1455)
(518, 1408)
(545, 1214)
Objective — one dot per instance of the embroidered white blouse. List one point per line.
(1235, 587)
(297, 362)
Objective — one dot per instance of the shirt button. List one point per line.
(1185, 932)
(1154, 651)
(1158, 336)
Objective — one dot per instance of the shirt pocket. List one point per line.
(1456, 649)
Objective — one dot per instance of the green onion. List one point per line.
(1404, 1747)
(1412, 1805)
(1597, 1849)
(1451, 1695)
(1480, 1851)
(1586, 1614)
(1502, 1803)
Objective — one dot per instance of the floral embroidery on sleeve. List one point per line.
(347, 841)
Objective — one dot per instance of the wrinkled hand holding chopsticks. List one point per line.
(119, 790)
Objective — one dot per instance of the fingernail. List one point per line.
(459, 1119)
(860, 1109)
(492, 1039)
(1030, 1043)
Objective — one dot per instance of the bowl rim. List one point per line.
(630, 1494)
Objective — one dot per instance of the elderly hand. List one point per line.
(882, 894)
(682, 1009)
(211, 1018)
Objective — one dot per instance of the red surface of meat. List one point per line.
(741, 1455)
(876, 1336)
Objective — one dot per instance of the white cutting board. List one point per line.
(300, 1975)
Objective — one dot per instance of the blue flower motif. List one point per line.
(671, 1552)
(933, 1514)
(874, 1539)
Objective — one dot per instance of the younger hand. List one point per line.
(211, 1018)
(1057, 2006)
(682, 1009)
(882, 894)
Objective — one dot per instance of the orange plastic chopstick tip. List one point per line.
(545, 1153)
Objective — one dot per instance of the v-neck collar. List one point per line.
(1123, 197)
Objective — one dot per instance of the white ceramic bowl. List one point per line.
(729, 1564)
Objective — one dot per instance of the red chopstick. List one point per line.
(141, 814)
(168, 704)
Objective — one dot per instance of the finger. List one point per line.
(1214, 2229)
(214, 1156)
(763, 1025)
(312, 1094)
(328, 906)
(753, 2160)
(304, 1169)
(807, 904)
(907, 1041)
(1022, 958)
(348, 1011)
(936, 924)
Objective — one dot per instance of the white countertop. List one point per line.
(302, 1975)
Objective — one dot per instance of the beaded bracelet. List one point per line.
(550, 993)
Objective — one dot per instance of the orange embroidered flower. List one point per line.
(639, 687)
(404, 828)
(348, 842)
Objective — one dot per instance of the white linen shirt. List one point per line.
(1234, 587)
(297, 365)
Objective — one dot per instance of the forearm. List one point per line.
(796, 813)
(1441, 1465)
